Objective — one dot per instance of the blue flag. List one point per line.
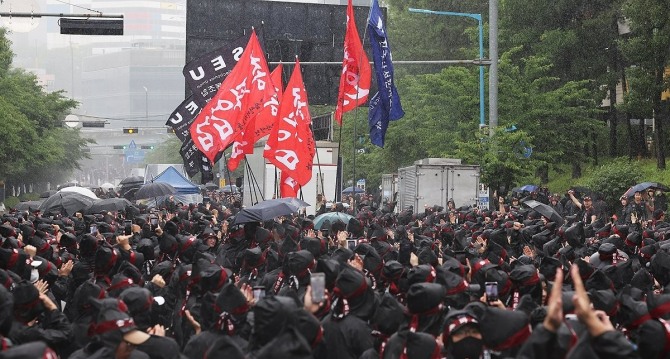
(385, 104)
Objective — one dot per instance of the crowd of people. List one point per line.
(188, 281)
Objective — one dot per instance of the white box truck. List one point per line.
(389, 188)
(433, 181)
(262, 182)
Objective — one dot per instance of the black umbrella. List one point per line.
(128, 193)
(110, 204)
(544, 210)
(641, 187)
(66, 202)
(155, 189)
(132, 180)
(28, 205)
(270, 209)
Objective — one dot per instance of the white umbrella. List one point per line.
(81, 190)
(107, 186)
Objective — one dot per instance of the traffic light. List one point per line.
(119, 147)
(147, 147)
(130, 130)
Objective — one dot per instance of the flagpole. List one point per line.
(318, 161)
(353, 180)
(338, 181)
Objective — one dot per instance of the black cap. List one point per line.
(224, 347)
(415, 345)
(504, 329)
(424, 297)
(27, 305)
(388, 316)
(423, 273)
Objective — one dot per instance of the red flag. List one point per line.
(260, 126)
(290, 146)
(267, 118)
(237, 102)
(288, 186)
(355, 78)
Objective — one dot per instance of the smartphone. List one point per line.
(352, 243)
(572, 317)
(154, 221)
(127, 227)
(318, 283)
(259, 292)
(94, 229)
(491, 292)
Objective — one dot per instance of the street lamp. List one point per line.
(146, 104)
(477, 17)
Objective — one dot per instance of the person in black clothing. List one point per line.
(624, 216)
(36, 317)
(587, 212)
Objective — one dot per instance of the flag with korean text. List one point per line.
(237, 102)
(385, 105)
(260, 126)
(290, 146)
(355, 78)
(288, 187)
(268, 117)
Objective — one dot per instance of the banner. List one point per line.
(181, 118)
(239, 100)
(267, 118)
(355, 78)
(288, 187)
(261, 125)
(205, 74)
(192, 157)
(291, 146)
(206, 174)
(385, 104)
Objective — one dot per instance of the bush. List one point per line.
(10, 202)
(614, 178)
(32, 196)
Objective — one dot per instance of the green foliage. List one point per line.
(500, 157)
(166, 152)
(35, 146)
(30, 196)
(614, 178)
(10, 202)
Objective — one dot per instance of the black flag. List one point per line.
(192, 157)
(205, 74)
(181, 118)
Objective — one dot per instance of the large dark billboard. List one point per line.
(314, 32)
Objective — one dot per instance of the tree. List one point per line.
(648, 48)
(35, 146)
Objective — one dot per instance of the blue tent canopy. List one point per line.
(178, 181)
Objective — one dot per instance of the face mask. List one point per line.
(470, 348)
